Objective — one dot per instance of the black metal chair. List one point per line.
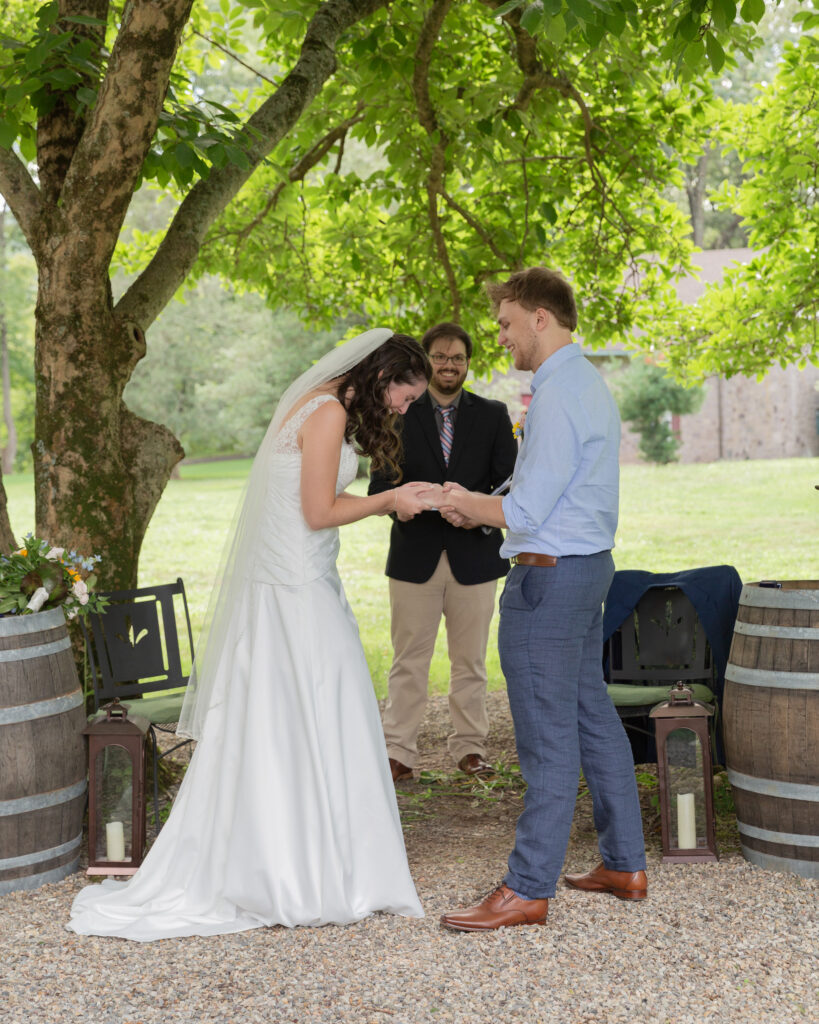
(134, 652)
(661, 641)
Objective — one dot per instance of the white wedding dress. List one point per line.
(287, 813)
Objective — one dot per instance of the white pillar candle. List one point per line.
(686, 822)
(115, 841)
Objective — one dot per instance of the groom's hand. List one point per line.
(448, 509)
(458, 519)
(474, 506)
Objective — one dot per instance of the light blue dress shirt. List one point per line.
(565, 489)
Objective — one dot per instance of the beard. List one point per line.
(450, 386)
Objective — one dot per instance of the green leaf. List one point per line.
(594, 33)
(753, 10)
(507, 7)
(8, 134)
(556, 30)
(715, 52)
(694, 53)
(616, 22)
(582, 10)
(548, 212)
(724, 13)
(15, 94)
(48, 14)
(62, 77)
(87, 96)
(688, 26)
(28, 146)
(185, 156)
(533, 18)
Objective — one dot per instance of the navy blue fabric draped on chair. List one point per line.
(713, 591)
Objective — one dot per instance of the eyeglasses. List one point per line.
(439, 359)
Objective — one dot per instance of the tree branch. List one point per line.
(60, 129)
(22, 195)
(308, 161)
(109, 156)
(427, 38)
(233, 56)
(475, 224)
(177, 253)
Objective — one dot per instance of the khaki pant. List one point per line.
(416, 614)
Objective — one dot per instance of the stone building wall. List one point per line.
(743, 418)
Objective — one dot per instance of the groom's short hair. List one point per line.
(447, 330)
(538, 288)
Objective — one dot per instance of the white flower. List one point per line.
(38, 599)
(80, 591)
(55, 553)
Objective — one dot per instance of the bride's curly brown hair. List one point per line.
(370, 424)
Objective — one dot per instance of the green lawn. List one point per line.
(761, 517)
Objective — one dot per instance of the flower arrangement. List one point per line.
(38, 577)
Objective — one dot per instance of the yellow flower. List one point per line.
(74, 574)
(23, 552)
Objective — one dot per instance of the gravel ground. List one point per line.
(725, 942)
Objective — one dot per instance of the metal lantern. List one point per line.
(681, 726)
(116, 791)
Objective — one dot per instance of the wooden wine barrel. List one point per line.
(42, 752)
(771, 725)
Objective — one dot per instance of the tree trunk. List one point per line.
(7, 541)
(696, 187)
(95, 489)
(10, 450)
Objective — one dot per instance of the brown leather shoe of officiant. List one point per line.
(474, 764)
(502, 908)
(399, 771)
(625, 885)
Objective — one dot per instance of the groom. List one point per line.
(561, 516)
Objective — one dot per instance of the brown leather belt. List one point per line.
(533, 558)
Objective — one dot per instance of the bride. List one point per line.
(287, 813)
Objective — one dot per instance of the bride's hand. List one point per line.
(409, 501)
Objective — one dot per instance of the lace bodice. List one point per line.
(287, 442)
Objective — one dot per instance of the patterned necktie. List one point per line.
(447, 433)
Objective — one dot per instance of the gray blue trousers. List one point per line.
(550, 640)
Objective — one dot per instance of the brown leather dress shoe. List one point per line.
(625, 885)
(399, 771)
(502, 908)
(474, 764)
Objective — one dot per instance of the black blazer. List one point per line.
(483, 456)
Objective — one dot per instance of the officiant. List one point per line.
(439, 569)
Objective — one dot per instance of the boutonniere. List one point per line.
(517, 430)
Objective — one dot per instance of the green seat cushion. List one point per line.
(625, 695)
(165, 707)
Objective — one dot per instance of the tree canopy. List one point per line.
(381, 162)
(766, 311)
